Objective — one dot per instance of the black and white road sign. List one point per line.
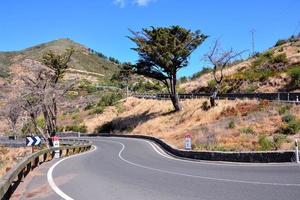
(33, 140)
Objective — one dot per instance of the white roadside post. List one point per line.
(187, 141)
(297, 151)
(55, 140)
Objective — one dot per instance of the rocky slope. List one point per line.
(269, 71)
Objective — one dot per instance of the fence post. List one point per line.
(297, 151)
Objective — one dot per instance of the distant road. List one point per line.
(137, 169)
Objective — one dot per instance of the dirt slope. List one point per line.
(210, 129)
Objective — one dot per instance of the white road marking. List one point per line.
(50, 177)
(195, 176)
(203, 162)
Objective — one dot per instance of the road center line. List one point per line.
(195, 176)
(203, 162)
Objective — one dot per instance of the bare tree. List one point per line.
(12, 111)
(44, 90)
(220, 59)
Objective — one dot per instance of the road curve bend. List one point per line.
(136, 169)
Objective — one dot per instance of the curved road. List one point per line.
(135, 169)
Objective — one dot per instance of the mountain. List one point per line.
(84, 59)
(277, 69)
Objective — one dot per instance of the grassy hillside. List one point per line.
(231, 126)
(277, 69)
(89, 68)
(83, 59)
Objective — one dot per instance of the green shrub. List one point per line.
(89, 106)
(40, 121)
(231, 124)
(278, 140)
(294, 125)
(251, 88)
(283, 109)
(4, 73)
(82, 128)
(110, 99)
(265, 74)
(280, 58)
(288, 118)
(97, 110)
(211, 84)
(247, 130)
(183, 79)
(295, 76)
(280, 42)
(265, 143)
(291, 126)
(120, 108)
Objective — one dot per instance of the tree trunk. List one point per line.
(174, 95)
(175, 102)
(213, 97)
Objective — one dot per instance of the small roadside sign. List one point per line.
(55, 141)
(187, 141)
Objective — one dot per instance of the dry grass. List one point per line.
(10, 156)
(207, 127)
(290, 49)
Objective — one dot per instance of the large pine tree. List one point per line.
(163, 51)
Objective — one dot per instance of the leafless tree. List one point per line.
(43, 90)
(220, 59)
(12, 111)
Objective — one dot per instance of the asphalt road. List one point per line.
(134, 169)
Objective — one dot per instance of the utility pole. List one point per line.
(297, 27)
(253, 45)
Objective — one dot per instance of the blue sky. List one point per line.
(103, 24)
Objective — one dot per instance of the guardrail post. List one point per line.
(288, 97)
(278, 97)
(36, 162)
(21, 175)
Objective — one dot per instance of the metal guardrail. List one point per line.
(280, 96)
(10, 181)
(20, 141)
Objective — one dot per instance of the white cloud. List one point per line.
(120, 3)
(142, 2)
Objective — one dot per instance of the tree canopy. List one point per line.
(163, 51)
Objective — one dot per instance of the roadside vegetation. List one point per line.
(240, 125)
(10, 156)
(89, 92)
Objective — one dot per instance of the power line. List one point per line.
(297, 27)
